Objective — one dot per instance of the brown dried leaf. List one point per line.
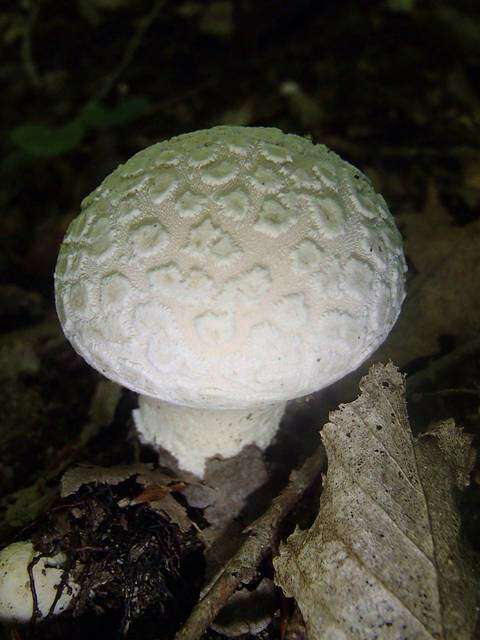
(75, 477)
(443, 292)
(384, 558)
(225, 489)
(248, 611)
(158, 477)
(155, 492)
(174, 510)
(158, 487)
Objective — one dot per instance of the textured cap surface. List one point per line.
(230, 266)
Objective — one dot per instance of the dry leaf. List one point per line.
(155, 492)
(75, 477)
(175, 511)
(157, 487)
(225, 489)
(443, 292)
(384, 558)
(159, 477)
(248, 611)
(228, 496)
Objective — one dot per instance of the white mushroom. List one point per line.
(224, 272)
(16, 599)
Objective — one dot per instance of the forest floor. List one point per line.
(392, 86)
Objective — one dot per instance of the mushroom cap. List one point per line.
(230, 267)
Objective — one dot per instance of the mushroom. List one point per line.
(222, 273)
(16, 597)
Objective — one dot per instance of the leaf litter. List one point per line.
(130, 546)
(385, 557)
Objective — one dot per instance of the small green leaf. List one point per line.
(401, 6)
(42, 141)
(97, 115)
(39, 140)
(94, 114)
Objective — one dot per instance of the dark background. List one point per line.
(390, 85)
(393, 86)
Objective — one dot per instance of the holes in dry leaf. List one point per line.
(385, 623)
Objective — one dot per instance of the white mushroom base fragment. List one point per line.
(195, 435)
(16, 599)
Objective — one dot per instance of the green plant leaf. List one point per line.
(401, 6)
(96, 114)
(42, 141)
(39, 140)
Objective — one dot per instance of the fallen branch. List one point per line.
(445, 393)
(26, 48)
(261, 537)
(131, 49)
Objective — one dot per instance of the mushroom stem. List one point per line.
(195, 435)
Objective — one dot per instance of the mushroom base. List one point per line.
(16, 600)
(195, 435)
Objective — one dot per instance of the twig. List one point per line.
(357, 148)
(261, 537)
(439, 367)
(444, 393)
(26, 49)
(36, 610)
(60, 588)
(131, 49)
